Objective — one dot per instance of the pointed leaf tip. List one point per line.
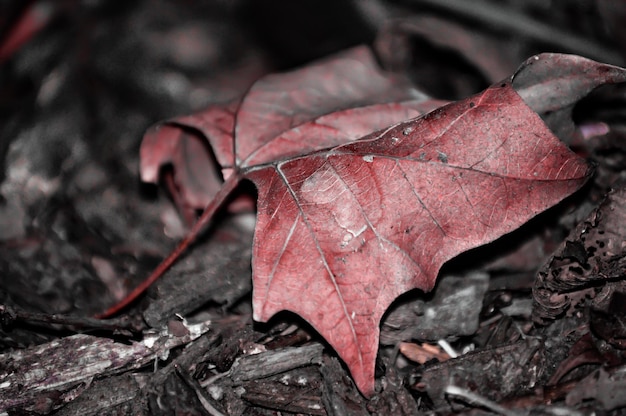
(552, 81)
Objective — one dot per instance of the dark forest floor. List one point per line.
(537, 318)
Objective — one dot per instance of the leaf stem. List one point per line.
(227, 187)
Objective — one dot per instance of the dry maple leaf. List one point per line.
(344, 226)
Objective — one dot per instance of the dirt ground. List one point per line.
(531, 324)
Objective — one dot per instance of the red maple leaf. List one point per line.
(345, 226)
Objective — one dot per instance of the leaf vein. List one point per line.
(324, 261)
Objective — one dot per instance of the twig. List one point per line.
(200, 392)
(447, 348)
(475, 399)
(9, 314)
(509, 19)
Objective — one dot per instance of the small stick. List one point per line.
(475, 399)
(9, 314)
(201, 393)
